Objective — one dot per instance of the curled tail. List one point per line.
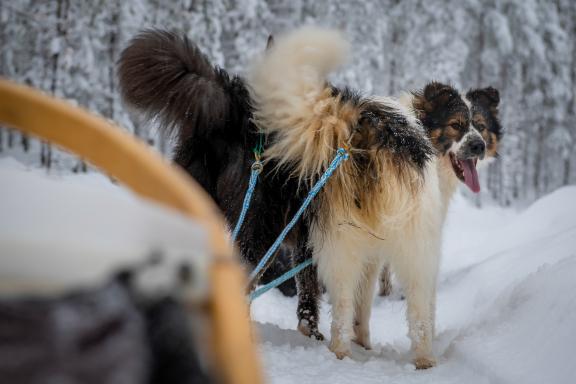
(167, 77)
(294, 103)
(308, 120)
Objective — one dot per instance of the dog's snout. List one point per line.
(477, 147)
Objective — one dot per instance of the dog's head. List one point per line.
(484, 111)
(465, 130)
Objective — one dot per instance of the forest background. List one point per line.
(525, 48)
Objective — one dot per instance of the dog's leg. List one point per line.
(254, 240)
(363, 306)
(385, 281)
(417, 269)
(341, 273)
(308, 295)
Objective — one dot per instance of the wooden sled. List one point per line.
(134, 165)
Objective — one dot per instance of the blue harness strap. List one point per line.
(279, 280)
(256, 169)
(341, 155)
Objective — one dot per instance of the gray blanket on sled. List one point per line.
(100, 336)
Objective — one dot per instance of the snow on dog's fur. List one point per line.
(384, 204)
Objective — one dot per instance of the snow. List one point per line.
(54, 223)
(506, 308)
(524, 48)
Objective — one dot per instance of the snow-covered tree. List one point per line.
(525, 48)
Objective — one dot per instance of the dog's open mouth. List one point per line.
(465, 170)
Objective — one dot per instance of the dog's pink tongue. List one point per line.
(470, 175)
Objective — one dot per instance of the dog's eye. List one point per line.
(457, 126)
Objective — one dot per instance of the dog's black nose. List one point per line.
(477, 147)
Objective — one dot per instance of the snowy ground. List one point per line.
(506, 308)
(506, 302)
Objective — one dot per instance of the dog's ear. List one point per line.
(433, 97)
(438, 95)
(270, 42)
(490, 97)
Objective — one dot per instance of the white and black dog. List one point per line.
(375, 210)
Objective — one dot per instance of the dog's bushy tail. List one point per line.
(293, 102)
(167, 77)
(308, 120)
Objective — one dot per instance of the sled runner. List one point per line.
(113, 310)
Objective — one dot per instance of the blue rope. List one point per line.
(256, 169)
(341, 155)
(276, 282)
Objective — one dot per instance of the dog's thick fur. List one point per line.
(384, 188)
(305, 121)
(377, 192)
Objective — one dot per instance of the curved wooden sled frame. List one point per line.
(145, 172)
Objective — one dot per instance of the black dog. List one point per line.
(166, 77)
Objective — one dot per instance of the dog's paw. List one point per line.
(341, 350)
(424, 362)
(341, 354)
(307, 331)
(315, 333)
(362, 337)
(363, 343)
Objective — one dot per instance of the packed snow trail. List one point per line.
(506, 308)
(506, 300)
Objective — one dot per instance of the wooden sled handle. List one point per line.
(134, 164)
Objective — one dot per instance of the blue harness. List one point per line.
(341, 155)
